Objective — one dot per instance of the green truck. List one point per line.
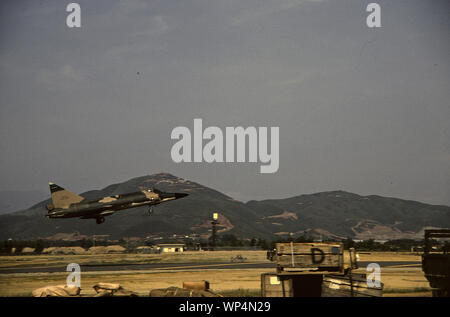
(436, 262)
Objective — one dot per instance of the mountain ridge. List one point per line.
(332, 214)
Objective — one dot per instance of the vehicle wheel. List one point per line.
(100, 220)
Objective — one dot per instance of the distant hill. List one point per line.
(14, 200)
(334, 214)
(341, 214)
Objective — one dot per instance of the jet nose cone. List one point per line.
(180, 195)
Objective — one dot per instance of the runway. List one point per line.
(183, 267)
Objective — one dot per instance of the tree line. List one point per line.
(222, 241)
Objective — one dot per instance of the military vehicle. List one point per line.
(436, 263)
(316, 270)
(69, 205)
(310, 256)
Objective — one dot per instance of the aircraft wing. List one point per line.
(98, 214)
(107, 212)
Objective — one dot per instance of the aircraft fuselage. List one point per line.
(108, 205)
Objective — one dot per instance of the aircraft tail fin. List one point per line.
(63, 198)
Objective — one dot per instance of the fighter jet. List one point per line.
(68, 205)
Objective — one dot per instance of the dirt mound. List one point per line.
(28, 250)
(107, 249)
(64, 250)
(111, 289)
(56, 291)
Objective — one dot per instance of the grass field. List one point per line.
(389, 256)
(139, 282)
(398, 281)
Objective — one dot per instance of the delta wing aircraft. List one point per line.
(66, 204)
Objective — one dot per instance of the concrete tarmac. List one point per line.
(183, 266)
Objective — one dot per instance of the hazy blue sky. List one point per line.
(359, 109)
